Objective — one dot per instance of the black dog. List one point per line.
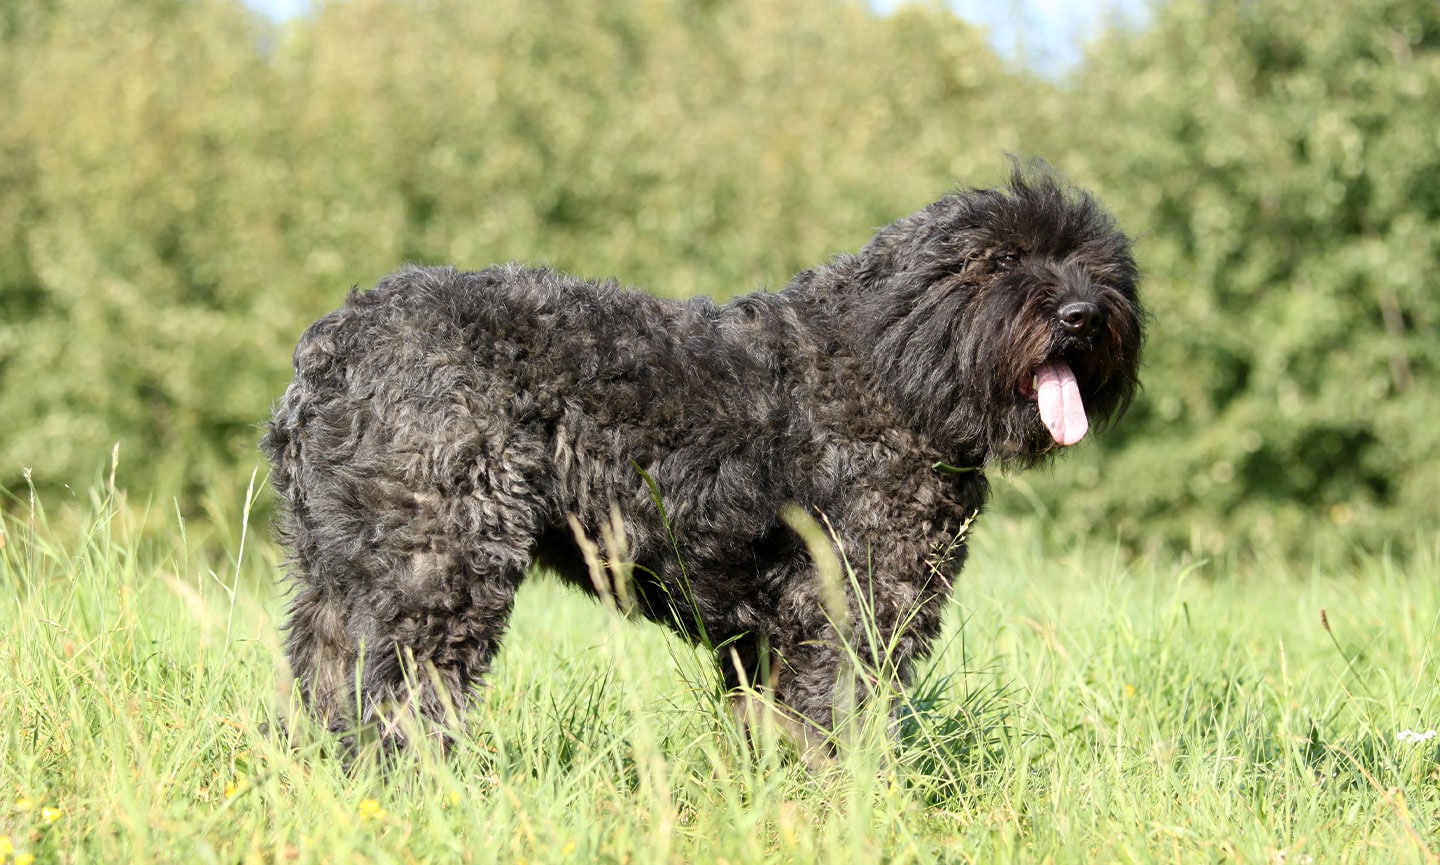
(446, 431)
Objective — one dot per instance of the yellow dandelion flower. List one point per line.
(49, 815)
(6, 846)
(454, 797)
(370, 810)
(25, 803)
(568, 848)
(232, 790)
(25, 859)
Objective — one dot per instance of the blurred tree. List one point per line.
(138, 237)
(194, 185)
(1283, 169)
(184, 186)
(686, 146)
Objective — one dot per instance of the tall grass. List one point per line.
(1083, 707)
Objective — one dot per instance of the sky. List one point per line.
(1046, 35)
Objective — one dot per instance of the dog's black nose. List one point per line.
(1081, 317)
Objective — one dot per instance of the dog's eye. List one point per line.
(1007, 261)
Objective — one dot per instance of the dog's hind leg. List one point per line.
(392, 640)
(429, 618)
(409, 472)
(322, 659)
(429, 653)
(407, 550)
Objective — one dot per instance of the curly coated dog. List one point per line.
(447, 431)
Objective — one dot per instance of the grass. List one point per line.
(1085, 708)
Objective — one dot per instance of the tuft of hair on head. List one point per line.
(1039, 184)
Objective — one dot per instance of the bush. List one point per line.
(1282, 168)
(184, 186)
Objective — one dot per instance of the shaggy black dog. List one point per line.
(447, 431)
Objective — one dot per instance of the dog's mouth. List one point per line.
(1056, 392)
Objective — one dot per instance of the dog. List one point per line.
(446, 432)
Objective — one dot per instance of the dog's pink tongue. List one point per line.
(1061, 408)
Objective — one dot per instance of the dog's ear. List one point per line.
(895, 248)
(877, 258)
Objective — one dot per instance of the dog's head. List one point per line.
(1006, 320)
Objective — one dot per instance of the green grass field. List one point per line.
(1085, 707)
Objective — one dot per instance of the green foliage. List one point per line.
(1284, 169)
(184, 186)
(143, 261)
(193, 185)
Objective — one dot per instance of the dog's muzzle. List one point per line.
(1081, 318)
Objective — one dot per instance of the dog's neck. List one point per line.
(839, 314)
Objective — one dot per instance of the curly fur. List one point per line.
(445, 431)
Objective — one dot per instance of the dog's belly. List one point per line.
(700, 597)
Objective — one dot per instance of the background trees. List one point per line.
(185, 185)
(1283, 169)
